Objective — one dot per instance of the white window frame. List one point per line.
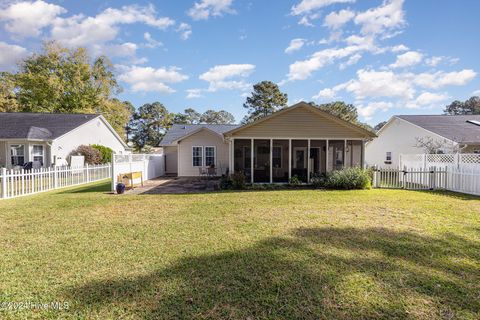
(33, 153)
(281, 157)
(388, 155)
(24, 146)
(214, 155)
(202, 158)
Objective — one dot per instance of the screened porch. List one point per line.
(277, 160)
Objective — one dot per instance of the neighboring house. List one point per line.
(48, 138)
(291, 142)
(400, 134)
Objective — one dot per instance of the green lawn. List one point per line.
(242, 255)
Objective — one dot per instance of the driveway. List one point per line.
(176, 185)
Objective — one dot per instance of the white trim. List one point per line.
(32, 155)
(26, 154)
(252, 157)
(327, 146)
(301, 138)
(214, 155)
(308, 160)
(202, 157)
(271, 160)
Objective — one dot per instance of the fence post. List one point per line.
(113, 175)
(55, 177)
(375, 176)
(87, 174)
(4, 182)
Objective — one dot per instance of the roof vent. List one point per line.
(475, 122)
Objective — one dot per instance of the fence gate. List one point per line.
(411, 179)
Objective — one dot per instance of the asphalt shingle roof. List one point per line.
(180, 130)
(43, 126)
(455, 128)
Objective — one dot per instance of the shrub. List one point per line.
(238, 180)
(225, 182)
(105, 152)
(91, 155)
(319, 181)
(348, 178)
(294, 181)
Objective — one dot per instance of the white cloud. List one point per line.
(205, 8)
(476, 93)
(351, 61)
(436, 60)
(387, 17)
(325, 94)
(151, 43)
(295, 44)
(371, 83)
(399, 48)
(79, 30)
(335, 20)
(440, 79)
(301, 70)
(230, 76)
(29, 18)
(185, 30)
(370, 109)
(194, 93)
(307, 6)
(407, 59)
(149, 79)
(429, 98)
(11, 54)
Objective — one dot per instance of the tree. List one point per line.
(379, 125)
(8, 100)
(470, 106)
(347, 112)
(265, 99)
(152, 120)
(65, 80)
(190, 116)
(217, 117)
(437, 146)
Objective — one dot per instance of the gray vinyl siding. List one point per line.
(299, 123)
(203, 138)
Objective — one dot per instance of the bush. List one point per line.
(106, 153)
(348, 178)
(294, 181)
(319, 181)
(236, 181)
(91, 155)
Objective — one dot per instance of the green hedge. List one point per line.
(105, 152)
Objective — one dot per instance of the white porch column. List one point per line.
(232, 156)
(363, 155)
(344, 152)
(271, 160)
(251, 161)
(308, 161)
(326, 156)
(289, 159)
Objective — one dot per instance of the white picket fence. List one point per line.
(151, 165)
(465, 180)
(16, 183)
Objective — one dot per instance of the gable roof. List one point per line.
(40, 126)
(179, 131)
(316, 110)
(455, 128)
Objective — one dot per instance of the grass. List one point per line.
(306, 254)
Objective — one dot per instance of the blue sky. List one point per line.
(386, 57)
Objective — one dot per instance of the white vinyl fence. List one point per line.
(151, 165)
(16, 183)
(465, 180)
(451, 160)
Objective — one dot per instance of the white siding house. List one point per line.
(49, 138)
(400, 134)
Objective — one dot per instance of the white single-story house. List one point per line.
(460, 133)
(300, 140)
(48, 138)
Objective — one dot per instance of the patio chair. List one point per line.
(202, 172)
(212, 172)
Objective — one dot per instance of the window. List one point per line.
(17, 154)
(209, 156)
(197, 154)
(477, 151)
(37, 154)
(388, 156)
(277, 157)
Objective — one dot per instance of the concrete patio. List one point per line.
(176, 185)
